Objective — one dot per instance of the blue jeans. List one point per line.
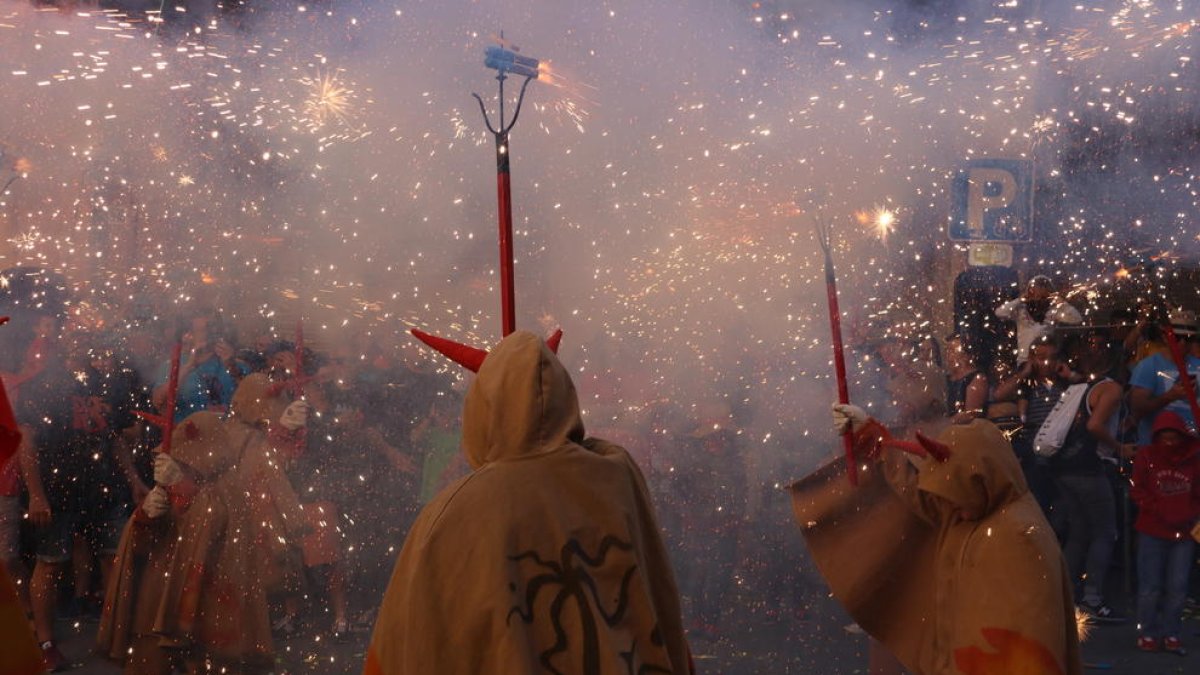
(1163, 564)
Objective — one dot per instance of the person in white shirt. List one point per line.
(1037, 313)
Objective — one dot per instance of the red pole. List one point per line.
(504, 196)
(1180, 359)
(172, 395)
(165, 421)
(839, 356)
(299, 375)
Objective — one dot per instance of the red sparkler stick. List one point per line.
(839, 356)
(166, 421)
(1180, 359)
(298, 387)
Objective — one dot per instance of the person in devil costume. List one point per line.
(546, 558)
(209, 545)
(946, 559)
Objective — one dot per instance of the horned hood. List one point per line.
(521, 404)
(256, 401)
(981, 475)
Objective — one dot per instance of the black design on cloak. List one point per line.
(576, 582)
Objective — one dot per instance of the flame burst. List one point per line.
(881, 218)
(1083, 624)
(329, 101)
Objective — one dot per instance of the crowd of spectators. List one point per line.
(1101, 422)
(381, 438)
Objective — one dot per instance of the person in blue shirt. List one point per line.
(205, 381)
(1155, 384)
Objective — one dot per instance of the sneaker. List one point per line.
(54, 659)
(1173, 645)
(1101, 613)
(1147, 644)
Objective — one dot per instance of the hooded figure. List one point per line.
(148, 545)
(950, 564)
(231, 537)
(192, 584)
(545, 559)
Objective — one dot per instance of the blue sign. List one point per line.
(992, 200)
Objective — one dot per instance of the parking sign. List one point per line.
(992, 200)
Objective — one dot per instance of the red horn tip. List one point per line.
(468, 357)
(936, 449)
(554, 339)
(907, 446)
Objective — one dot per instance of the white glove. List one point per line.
(166, 470)
(295, 416)
(846, 416)
(157, 503)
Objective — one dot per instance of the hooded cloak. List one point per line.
(242, 518)
(545, 559)
(947, 594)
(139, 573)
(199, 578)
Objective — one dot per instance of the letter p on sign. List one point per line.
(993, 201)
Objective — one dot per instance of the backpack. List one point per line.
(1053, 433)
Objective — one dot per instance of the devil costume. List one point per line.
(545, 559)
(193, 585)
(949, 563)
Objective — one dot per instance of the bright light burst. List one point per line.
(330, 101)
(1083, 624)
(880, 218)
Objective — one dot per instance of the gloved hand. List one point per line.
(295, 416)
(846, 416)
(166, 470)
(157, 503)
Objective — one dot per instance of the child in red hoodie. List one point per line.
(1166, 488)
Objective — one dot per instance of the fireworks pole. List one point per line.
(166, 421)
(1185, 378)
(506, 61)
(839, 356)
(299, 393)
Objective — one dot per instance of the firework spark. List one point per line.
(329, 102)
(880, 218)
(1083, 624)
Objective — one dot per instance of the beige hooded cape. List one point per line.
(947, 596)
(199, 578)
(546, 559)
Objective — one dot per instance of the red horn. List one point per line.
(936, 449)
(470, 358)
(553, 340)
(907, 446)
